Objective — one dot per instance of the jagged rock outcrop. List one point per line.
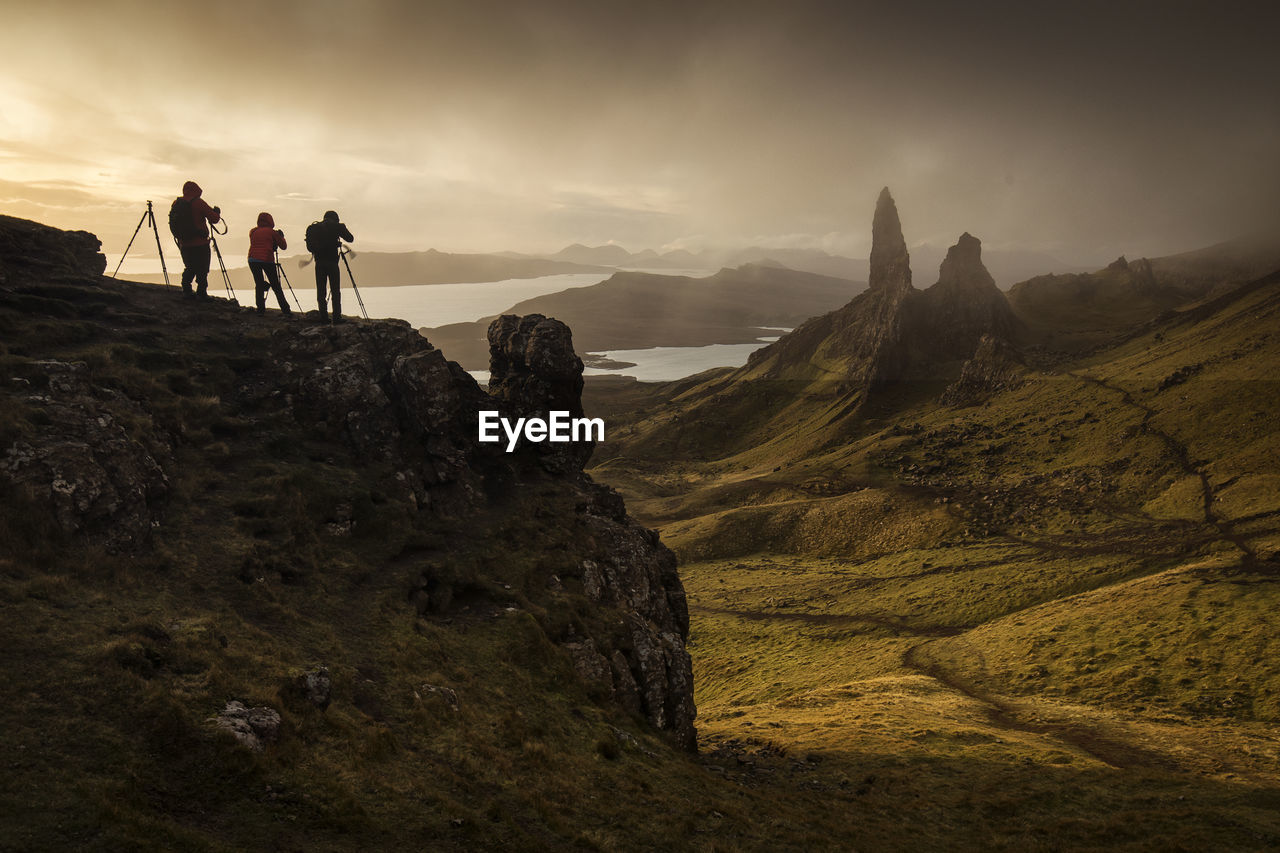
(812, 384)
(634, 571)
(893, 331)
(363, 381)
(995, 366)
(533, 370)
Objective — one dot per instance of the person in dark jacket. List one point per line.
(263, 242)
(324, 245)
(195, 248)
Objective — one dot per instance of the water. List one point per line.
(428, 304)
(664, 364)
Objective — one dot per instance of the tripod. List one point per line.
(352, 279)
(149, 218)
(226, 279)
(285, 276)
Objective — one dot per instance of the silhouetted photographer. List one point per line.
(263, 243)
(189, 219)
(323, 243)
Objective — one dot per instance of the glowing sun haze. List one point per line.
(1083, 129)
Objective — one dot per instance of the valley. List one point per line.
(1066, 574)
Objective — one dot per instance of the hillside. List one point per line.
(1033, 617)
(1074, 312)
(633, 310)
(1069, 568)
(262, 587)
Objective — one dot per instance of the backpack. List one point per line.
(182, 222)
(315, 238)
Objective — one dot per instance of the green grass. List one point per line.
(1051, 611)
(1008, 627)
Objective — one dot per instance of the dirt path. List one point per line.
(1108, 747)
(1178, 450)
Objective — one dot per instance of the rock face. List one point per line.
(633, 571)
(890, 261)
(364, 381)
(533, 370)
(996, 366)
(965, 304)
(96, 479)
(29, 248)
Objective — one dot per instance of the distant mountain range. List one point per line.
(394, 269)
(804, 260)
(635, 310)
(1006, 267)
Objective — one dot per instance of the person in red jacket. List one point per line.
(193, 237)
(263, 242)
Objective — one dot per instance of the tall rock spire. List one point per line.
(890, 263)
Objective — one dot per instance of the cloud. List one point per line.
(487, 125)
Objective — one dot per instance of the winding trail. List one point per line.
(1109, 748)
(1178, 450)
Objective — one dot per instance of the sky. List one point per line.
(1082, 130)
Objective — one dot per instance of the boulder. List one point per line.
(252, 727)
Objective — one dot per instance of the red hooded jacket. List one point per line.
(201, 212)
(265, 239)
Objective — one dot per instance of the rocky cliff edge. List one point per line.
(105, 417)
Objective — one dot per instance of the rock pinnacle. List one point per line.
(890, 262)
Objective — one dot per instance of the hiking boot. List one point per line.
(338, 318)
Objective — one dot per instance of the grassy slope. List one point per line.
(978, 675)
(1054, 608)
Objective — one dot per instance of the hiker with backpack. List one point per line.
(263, 242)
(189, 219)
(323, 243)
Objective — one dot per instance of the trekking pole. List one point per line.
(149, 217)
(226, 279)
(285, 276)
(352, 279)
